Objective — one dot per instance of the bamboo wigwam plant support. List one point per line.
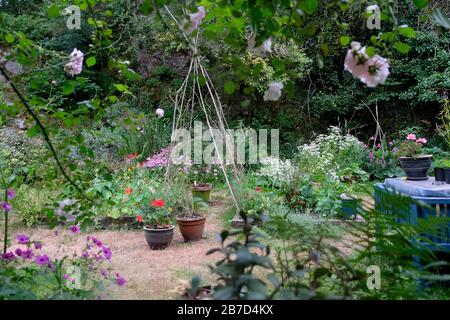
(205, 97)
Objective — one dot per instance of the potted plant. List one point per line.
(440, 167)
(201, 190)
(411, 157)
(157, 224)
(189, 218)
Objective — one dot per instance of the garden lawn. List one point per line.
(150, 274)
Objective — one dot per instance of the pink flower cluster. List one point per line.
(371, 71)
(413, 137)
(158, 160)
(194, 20)
(75, 66)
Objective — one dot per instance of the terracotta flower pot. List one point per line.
(158, 239)
(191, 228)
(202, 190)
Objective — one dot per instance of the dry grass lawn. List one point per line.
(151, 274)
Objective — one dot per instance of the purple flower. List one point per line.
(22, 239)
(25, 254)
(6, 206)
(37, 245)
(7, 256)
(66, 276)
(107, 252)
(97, 242)
(104, 273)
(10, 193)
(85, 254)
(42, 260)
(120, 281)
(371, 156)
(75, 229)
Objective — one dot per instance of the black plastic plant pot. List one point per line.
(447, 175)
(416, 168)
(439, 174)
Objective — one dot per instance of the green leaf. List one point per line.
(121, 87)
(309, 6)
(407, 32)
(53, 11)
(91, 61)
(9, 38)
(344, 41)
(147, 7)
(201, 80)
(420, 3)
(370, 51)
(68, 88)
(440, 18)
(402, 47)
(278, 64)
(229, 87)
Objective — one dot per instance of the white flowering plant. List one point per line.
(330, 156)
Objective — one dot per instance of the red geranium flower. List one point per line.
(132, 156)
(258, 189)
(139, 218)
(128, 191)
(158, 203)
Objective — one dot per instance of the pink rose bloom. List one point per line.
(75, 66)
(371, 71)
(355, 60)
(377, 71)
(411, 137)
(195, 19)
(421, 140)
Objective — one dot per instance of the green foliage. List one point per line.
(410, 149)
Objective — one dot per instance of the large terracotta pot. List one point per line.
(191, 228)
(158, 239)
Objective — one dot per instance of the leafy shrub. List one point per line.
(30, 203)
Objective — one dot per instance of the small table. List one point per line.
(423, 188)
(431, 199)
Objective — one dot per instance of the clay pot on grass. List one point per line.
(159, 239)
(192, 226)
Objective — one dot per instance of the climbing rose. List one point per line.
(194, 20)
(158, 203)
(6, 206)
(378, 71)
(273, 93)
(75, 66)
(139, 218)
(265, 47)
(411, 137)
(22, 239)
(128, 191)
(421, 140)
(10, 193)
(371, 71)
(258, 189)
(159, 112)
